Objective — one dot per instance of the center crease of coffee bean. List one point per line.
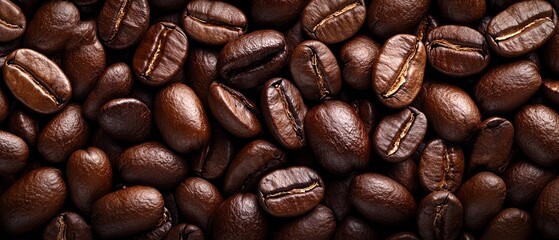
(438, 220)
(457, 47)
(9, 25)
(215, 23)
(254, 65)
(245, 103)
(120, 15)
(251, 178)
(321, 83)
(335, 14)
(43, 87)
(290, 111)
(401, 134)
(517, 32)
(447, 168)
(401, 79)
(160, 41)
(62, 229)
(294, 191)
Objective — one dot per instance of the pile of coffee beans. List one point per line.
(279, 119)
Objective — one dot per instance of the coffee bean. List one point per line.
(492, 145)
(354, 228)
(550, 53)
(403, 236)
(384, 18)
(163, 226)
(68, 226)
(333, 21)
(461, 11)
(4, 105)
(240, 217)
(212, 160)
(201, 65)
(367, 113)
(197, 200)
(276, 13)
(126, 119)
(185, 231)
(404, 172)
(546, 214)
(12, 21)
(24, 126)
(121, 23)
(439, 216)
(357, 57)
(317, 224)
(525, 181)
(336, 196)
(511, 223)
(550, 89)
(441, 166)
(537, 133)
(14, 153)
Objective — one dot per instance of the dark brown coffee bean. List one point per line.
(290, 192)
(36, 81)
(83, 65)
(546, 212)
(197, 200)
(441, 166)
(550, 89)
(251, 163)
(181, 119)
(357, 57)
(32, 200)
(66, 132)
(284, 111)
(404, 172)
(240, 217)
(4, 104)
(537, 133)
(367, 113)
(354, 228)
(551, 53)
(462, 11)
(126, 119)
(337, 137)
(511, 223)
(212, 160)
(525, 181)
(439, 216)
(482, 197)
(235, 112)
(397, 136)
(398, 71)
(317, 224)
(385, 19)
(121, 23)
(403, 236)
(12, 21)
(24, 126)
(185, 231)
(201, 65)
(520, 79)
(13, 153)
(381, 199)
(425, 26)
(336, 196)
(252, 58)
(492, 145)
(163, 226)
(534, 23)
(276, 13)
(67, 226)
(293, 37)
(213, 22)
(333, 21)
(457, 50)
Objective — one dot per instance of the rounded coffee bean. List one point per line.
(381, 199)
(551, 53)
(457, 50)
(4, 104)
(201, 65)
(240, 217)
(337, 137)
(482, 197)
(121, 23)
(492, 145)
(126, 212)
(525, 181)
(546, 213)
(315, 71)
(13, 21)
(181, 119)
(367, 113)
(276, 13)
(511, 223)
(354, 228)
(290, 192)
(125, 119)
(32, 200)
(83, 65)
(462, 11)
(404, 172)
(318, 224)
(212, 160)
(439, 216)
(385, 19)
(333, 21)
(550, 89)
(336, 196)
(197, 200)
(36, 81)
(14, 154)
(24, 126)
(398, 71)
(152, 164)
(185, 231)
(213, 22)
(537, 133)
(397, 136)
(357, 57)
(441, 166)
(68, 226)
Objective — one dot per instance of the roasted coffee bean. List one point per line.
(457, 50)
(36, 81)
(290, 192)
(68, 226)
(13, 23)
(398, 71)
(317, 224)
(367, 113)
(537, 133)
(212, 160)
(357, 57)
(315, 71)
(381, 199)
(201, 65)
(14, 153)
(403, 236)
(284, 111)
(24, 126)
(240, 217)
(235, 112)
(492, 145)
(425, 26)
(441, 166)
(520, 79)
(213, 22)
(185, 231)
(397, 136)
(32, 200)
(333, 21)
(180, 118)
(482, 197)
(251, 163)
(404, 172)
(385, 19)
(126, 119)
(546, 213)
(354, 228)
(337, 137)
(126, 212)
(525, 181)
(336, 196)
(4, 105)
(66, 132)
(197, 200)
(439, 216)
(534, 23)
(550, 89)
(121, 23)
(163, 226)
(551, 53)
(462, 11)
(293, 36)
(511, 223)
(276, 13)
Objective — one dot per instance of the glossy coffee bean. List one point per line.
(83, 65)
(68, 226)
(212, 160)
(317, 224)
(126, 212)
(4, 104)
(336, 196)
(126, 119)
(13, 21)
(24, 126)
(14, 153)
(163, 226)
(201, 65)
(537, 133)
(511, 223)
(492, 145)
(357, 57)
(64, 133)
(276, 13)
(525, 181)
(333, 21)
(240, 217)
(425, 26)
(381, 199)
(546, 213)
(384, 18)
(550, 89)
(185, 231)
(121, 23)
(315, 71)
(197, 200)
(337, 137)
(397, 136)
(290, 192)
(441, 166)
(284, 111)
(534, 23)
(32, 200)
(482, 197)
(213, 22)
(439, 216)
(405, 173)
(354, 228)
(520, 79)
(398, 71)
(367, 113)
(551, 53)
(462, 11)
(36, 81)
(180, 118)
(457, 50)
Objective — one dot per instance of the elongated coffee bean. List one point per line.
(440, 216)
(240, 217)
(333, 21)
(12, 21)
(121, 23)
(537, 133)
(492, 145)
(546, 214)
(68, 226)
(14, 153)
(441, 166)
